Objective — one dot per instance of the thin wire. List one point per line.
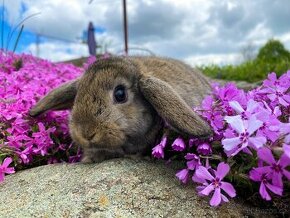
(15, 28)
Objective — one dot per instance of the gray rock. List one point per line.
(115, 188)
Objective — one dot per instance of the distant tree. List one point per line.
(273, 51)
(272, 57)
(248, 52)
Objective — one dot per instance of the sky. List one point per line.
(195, 31)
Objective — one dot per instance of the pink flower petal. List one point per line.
(163, 141)
(236, 123)
(263, 192)
(284, 160)
(286, 173)
(6, 162)
(224, 198)
(277, 179)
(272, 97)
(216, 198)
(287, 150)
(287, 98)
(264, 169)
(207, 190)
(41, 127)
(203, 173)
(236, 106)
(157, 151)
(182, 175)
(198, 179)
(235, 152)
(254, 124)
(231, 143)
(275, 189)
(257, 142)
(1, 176)
(10, 170)
(228, 188)
(252, 105)
(222, 170)
(255, 175)
(283, 102)
(199, 189)
(266, 155)
(178, 144)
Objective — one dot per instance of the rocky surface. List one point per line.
(115, 188)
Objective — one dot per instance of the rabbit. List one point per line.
(119, 105)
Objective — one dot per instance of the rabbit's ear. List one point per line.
(58, 99)
(172, 108)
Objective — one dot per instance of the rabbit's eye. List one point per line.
(120, 94)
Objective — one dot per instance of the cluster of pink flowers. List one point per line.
(28, 141)
(252, 125)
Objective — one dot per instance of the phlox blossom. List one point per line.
(275, 169)
(5, 169)
(244, 137)
(158, 150)
(213, 182)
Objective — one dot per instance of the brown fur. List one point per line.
(157, 89)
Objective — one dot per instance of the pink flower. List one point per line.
(272, 80)
(213, 182)
(245, 114)
(193, 141)
(183, 175)
(5, 169)
(20, 90)
(244, 138)
(178, 144)
(158, 150)
(42, 139)
(193, 161)
(275, 169)
(285, 129)
(227, 93)
(204, 149)
(278, 94)
(75, 158)
(26, 154)
(265, 180)
(212, 113)
(270, 127)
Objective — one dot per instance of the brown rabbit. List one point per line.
(119, 103)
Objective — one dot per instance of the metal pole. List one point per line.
(125, 27)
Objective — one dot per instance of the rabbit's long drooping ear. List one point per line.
(58, 99)
(172, 108)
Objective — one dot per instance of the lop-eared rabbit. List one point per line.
(119, 104)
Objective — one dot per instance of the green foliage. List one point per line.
(272, 57)
(273, 51)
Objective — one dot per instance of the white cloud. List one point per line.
(285, 39)
(220, 59)
(56, 51)
(258, 35)
(202, 30)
